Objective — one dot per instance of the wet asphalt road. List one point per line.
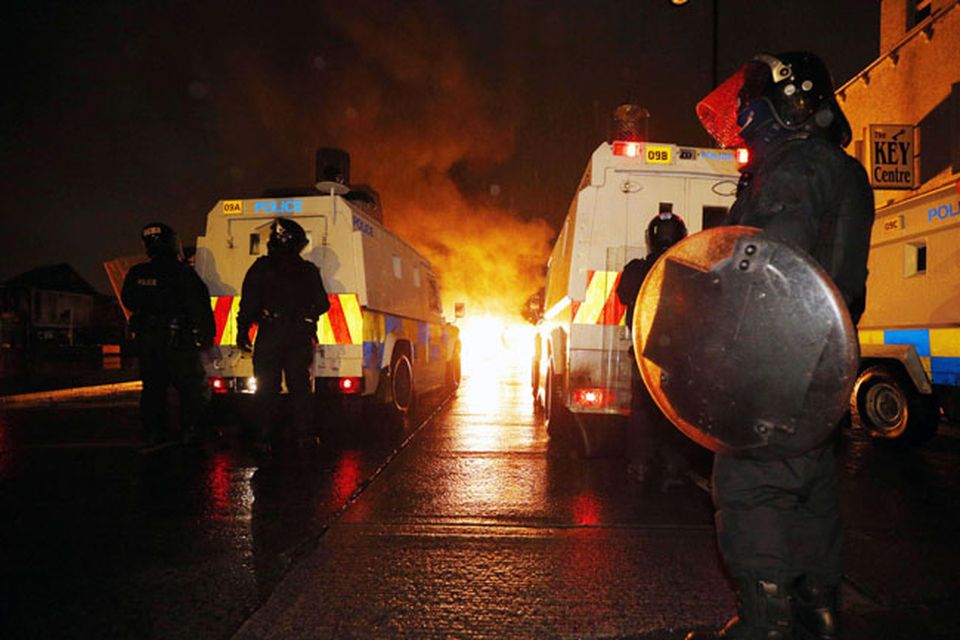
(465, 521)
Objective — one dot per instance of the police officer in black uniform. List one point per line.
(172, 322)
(778, 521)
(652, 436)
(284, 295)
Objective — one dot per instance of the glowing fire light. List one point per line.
(492, 345)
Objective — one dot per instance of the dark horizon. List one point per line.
(118, 115)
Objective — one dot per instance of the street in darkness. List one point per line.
(464, 521)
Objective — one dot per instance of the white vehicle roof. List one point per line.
(355, 253)
(622, 190)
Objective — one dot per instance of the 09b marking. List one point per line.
(658, 154)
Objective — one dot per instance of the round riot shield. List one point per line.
(745, 344)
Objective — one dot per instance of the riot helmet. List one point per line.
(160, 240)
(771, 94)
(286, 236)
(665, 230)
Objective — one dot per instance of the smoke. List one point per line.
(413, 116)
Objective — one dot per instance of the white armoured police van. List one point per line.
(910, 331)
(583, 361)
(384, 334)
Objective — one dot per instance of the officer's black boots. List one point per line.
(815, 608)
(765, 613)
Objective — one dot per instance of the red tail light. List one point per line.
(743, 156)
(349, 386)
(593, 397)
(626, 148)
(218, 384)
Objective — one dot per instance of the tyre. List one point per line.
(886, 404)
(535, 370)
(539, 400)
(556, 416)
(602, 436)
(453, 372)
(401, 383)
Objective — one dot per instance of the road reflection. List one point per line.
(586, 509)
(228, 488)
(347, 475)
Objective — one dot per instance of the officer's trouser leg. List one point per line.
(818, 534)
(190, 380)
(153, 397)
(268, 371)
(641, 442)
(778, 520)
(297, 373)
(819, 541)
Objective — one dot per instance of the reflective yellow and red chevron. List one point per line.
(342, 324)
(600, 303)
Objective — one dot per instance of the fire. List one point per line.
(427, 135)
(493, 344)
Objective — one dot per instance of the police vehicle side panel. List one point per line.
(371, 276)
(584, 330)
(402, 300)
(910, 330)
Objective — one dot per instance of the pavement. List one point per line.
(479, 529)
(478, 526)
(71, 393)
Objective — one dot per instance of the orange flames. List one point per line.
(402, 101)
(410, 116)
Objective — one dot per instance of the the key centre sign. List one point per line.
(891, 150)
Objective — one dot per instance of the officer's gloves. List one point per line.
(243, 340)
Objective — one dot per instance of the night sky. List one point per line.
(472, 118)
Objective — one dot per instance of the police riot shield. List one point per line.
(745, 344)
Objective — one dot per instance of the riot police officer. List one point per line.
(665, 230)
(652, 438)
(172, 322)
(284, 295)
(778, 522)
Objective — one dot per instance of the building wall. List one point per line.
(916, 80)
(897, 17)
(914, 263)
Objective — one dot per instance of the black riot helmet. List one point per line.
(665, 230)
(286, 236)
(160, 240)
(786, 92)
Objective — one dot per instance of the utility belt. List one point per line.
(175, 331)
(290, 319)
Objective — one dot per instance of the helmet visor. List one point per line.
(718, 111)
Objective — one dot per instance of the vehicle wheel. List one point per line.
(534, 379)
(535, 371)
(886, 404)
(601, 435)
(556, 416)
(401, 383)
(453, 372)
(539, 401)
